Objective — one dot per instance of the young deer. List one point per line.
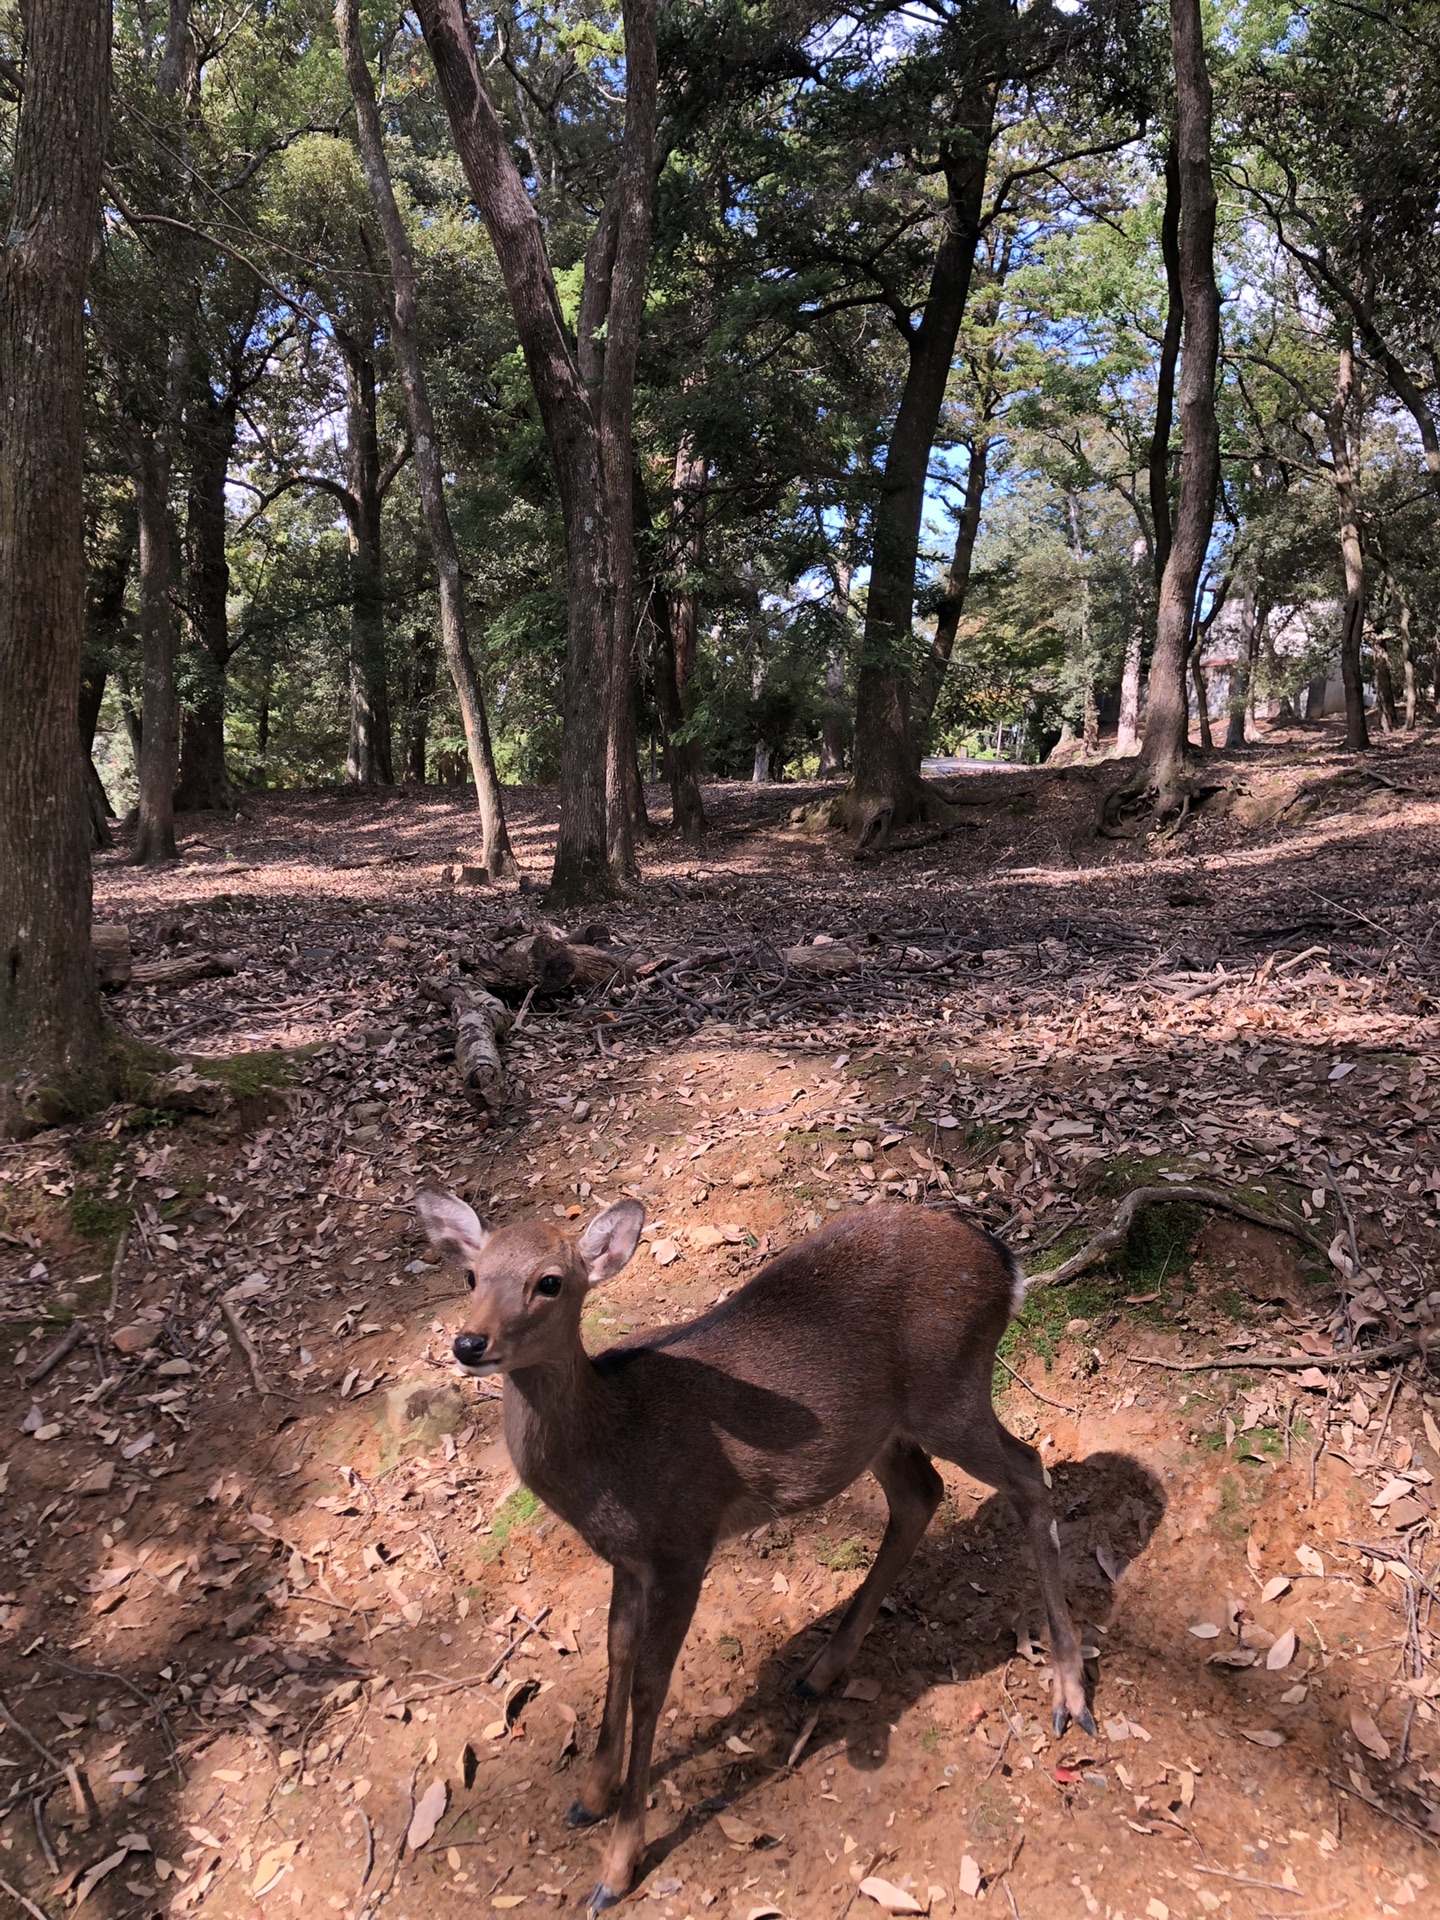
(870, 1344)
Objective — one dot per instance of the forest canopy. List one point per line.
(743, 390)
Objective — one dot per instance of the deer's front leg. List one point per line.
(602, 1774)
(670, 1596)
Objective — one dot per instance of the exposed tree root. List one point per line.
(1113, 1237)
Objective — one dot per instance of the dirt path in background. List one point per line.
(264, 1626)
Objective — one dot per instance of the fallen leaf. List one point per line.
(736, 1831)
(862, 1687)
(426, 1817)
(271, 1864)
(1157, 1909)
(764, 1913)
(1204, 1630)
(1368, 1734)
(1263, 1736)
(1309, 1561)
(892, 1898)
(664, 1251)
(507, 1900)
(970, 1876)
(1273, 1589)
(1109, 1565)
(1283, 1651)
(737, 1745)
(1313, 1378)
(97, 1873)
(1394, 1489)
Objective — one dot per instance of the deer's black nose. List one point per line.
(470, 1348)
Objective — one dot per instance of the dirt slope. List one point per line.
(264, 1624)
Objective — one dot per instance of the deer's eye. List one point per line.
(470, 1279)
(549, 1284)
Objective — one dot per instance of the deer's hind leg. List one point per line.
(989, 1452)
(913, 1489)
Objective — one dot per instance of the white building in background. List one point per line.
(1298, 632)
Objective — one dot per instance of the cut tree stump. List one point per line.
(481, 1023)
(111, 948)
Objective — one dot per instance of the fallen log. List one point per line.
(183, 969)
(546, 965)
(481, 1023)
(111, 947)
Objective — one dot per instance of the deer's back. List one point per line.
(777, 1399)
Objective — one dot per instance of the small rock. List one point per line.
(416, 1410)
(135, 1339)
(174, 1369)
(742, 1177)
(582, 1110)
(396, 943)
(863, 1150)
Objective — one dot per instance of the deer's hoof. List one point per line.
(602, 1898)
(1060, 1720)
(580, 1815)
(1085, 1720)
(801, 1688)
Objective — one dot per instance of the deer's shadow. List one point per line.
(950, 1617)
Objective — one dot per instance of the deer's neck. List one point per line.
(554, 1422)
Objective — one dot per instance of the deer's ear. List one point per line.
(452, 1226)
(607, 1243)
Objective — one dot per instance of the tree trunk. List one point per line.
(50, 1020)
(681, 755)
(159, 703)
(957, 585)
(1202, 698)
(368, 761)
(499, 859)
(204, 781)
(1352, 552)
(1166, 744)
(886, 782)
(97, 801)
(1407, 652)
(614, 292)
(1159, 462)
(678, 637)
(590, 851)
(1127, 731)
(1243, 673)
(1384, 682)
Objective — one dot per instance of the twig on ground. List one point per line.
(1110, 1238)
(47, 1845)
(1352, 1357)
(1391, 1553)
(36, 1913)
(1244, 1880)
(1029, 1389)
(1347, 1217)
(1386, 1813)
(483, 1679)
(245, 1344)
(119, 1680)
(35, 1746)
(60, 1351)
(122, 1247)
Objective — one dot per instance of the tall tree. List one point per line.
(585, 395)
(1167, 723)
(499, 859)
(50, 1018)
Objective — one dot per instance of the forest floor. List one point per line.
(259, 1629)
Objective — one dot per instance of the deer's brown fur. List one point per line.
(869, 1344)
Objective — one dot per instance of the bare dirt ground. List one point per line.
(244, 1634)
